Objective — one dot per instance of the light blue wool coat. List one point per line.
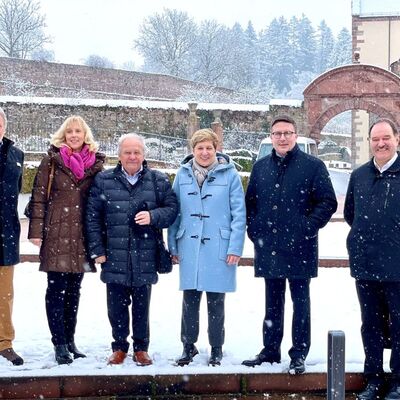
(211, 224)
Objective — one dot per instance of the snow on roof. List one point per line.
(145, 104)
(335, 134)
(373, 8)
(286, 102)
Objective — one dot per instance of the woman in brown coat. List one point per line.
(56, 225)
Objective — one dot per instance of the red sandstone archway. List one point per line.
(351, 87)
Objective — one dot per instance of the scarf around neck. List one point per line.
(77, 162)
(200, 172)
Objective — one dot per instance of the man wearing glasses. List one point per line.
(289, 198)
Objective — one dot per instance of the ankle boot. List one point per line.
(75, 351)
(216, 356)
(189, 351)
(62, 354)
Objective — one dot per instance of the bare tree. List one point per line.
(165, 41)
(210, 53)
(43, 55)
(128, 66)
(97, 61)
(21, 27)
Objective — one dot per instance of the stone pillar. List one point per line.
(217, 127)
(193, 122)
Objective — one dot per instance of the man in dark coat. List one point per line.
(122, 217)
(289, 198)
(11, 167)
(372, 209)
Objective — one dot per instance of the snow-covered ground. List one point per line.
(334, 307)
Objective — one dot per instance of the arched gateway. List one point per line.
(351, 87)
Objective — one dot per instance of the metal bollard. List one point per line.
(336, 366)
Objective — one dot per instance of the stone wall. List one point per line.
(35, 117)
(40, 78)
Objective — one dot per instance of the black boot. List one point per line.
(372, 391)
(189, 351)
(62, 354)
(74, 350)
(216, 356)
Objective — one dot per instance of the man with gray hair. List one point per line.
(11, 167)
(126, 207)
(372, 210)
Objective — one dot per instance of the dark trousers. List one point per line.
(191, 314)
(376, 298)
(274, 317)
(119, 298)
(62, 302)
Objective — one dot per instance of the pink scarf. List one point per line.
(77, 162)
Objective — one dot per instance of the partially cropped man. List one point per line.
(372, 209)
(289, 198)
(11, 167)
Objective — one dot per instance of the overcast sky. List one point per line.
(108, 27)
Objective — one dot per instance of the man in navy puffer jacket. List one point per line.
(122, 218)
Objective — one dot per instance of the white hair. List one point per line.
(132, 135)
(3, 115)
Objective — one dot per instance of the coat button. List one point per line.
(277, 185)
(273, 252)
(275, 207)
(274, 230)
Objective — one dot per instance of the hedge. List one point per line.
(30, 173)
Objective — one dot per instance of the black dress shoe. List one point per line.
(259, 359)
(216, 356)
(296, 366)
(394, 392)
(74, 350)
(62, 354)
(372, 391)
(189, 351)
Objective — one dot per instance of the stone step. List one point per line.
(172, 386)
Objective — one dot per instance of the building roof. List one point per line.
(374, 8)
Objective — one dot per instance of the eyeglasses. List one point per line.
(286, 134)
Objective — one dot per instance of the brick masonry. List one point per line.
(351, 87)
(70, 80)
(169, 386)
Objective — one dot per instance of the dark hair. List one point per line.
(388, 121)
(284, 118)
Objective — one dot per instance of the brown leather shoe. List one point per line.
(117, 357)
(142, 358)
(12, 356)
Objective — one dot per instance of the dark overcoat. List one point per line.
(11, 168)
(287, 201)
(372, 209)
(130, 249)
(59, 220)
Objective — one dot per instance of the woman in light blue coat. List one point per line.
(206, 239)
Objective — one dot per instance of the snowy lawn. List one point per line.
(334, 307)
